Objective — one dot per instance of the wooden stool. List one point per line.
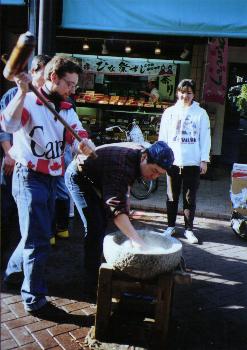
(113, 284)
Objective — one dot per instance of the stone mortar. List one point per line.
(166, 254)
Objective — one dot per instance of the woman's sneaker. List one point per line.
(170, 231)
(190, 237)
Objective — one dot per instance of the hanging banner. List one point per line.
(131, 66)
(167, 88)
(215, 82)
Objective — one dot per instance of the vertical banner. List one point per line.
(167, 88)
(215, 81)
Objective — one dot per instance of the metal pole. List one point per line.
(47, 23)
(32, 24)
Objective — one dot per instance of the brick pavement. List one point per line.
(211, 313)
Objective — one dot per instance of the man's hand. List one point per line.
(9, 164)
(139, 244)
(22, 81)
(122, 221)
(203, 168)
(86, 147)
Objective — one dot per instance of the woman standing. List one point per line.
(185, 127)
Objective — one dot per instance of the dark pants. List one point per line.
(97, 222)
(88, 203)
(187, 178)
(35, 195)
(9, 214)
(62, 206)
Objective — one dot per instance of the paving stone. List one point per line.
(62, 328)
(8, 316)
(37, 326)
(8, 344)
(76, 306)
(4, 309)
(67, 342)
(87, 314)
(61, 302)
(44, 339)
(18, 309)
(32, 346)
(80, 333)
(80, 312)
(12, 299)
(90, 310)
(21, 336)
(20, 322)
(4, 333)
(5, 295)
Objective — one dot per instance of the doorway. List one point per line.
(234, 142)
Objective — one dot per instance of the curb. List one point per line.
(204, 214)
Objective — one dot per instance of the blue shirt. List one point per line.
(5, 100)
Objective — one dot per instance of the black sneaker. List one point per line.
(13, 281)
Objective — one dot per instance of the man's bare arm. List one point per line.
(122, 221)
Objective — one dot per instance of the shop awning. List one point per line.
(209, 18)
(12, 2)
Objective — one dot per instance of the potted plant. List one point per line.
(242, 101)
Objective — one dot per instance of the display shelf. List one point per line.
(126, 108)
(148, 120)
(136, 112)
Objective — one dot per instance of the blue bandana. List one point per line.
(161, 154)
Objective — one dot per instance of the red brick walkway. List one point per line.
(210, 314)
(27, 332)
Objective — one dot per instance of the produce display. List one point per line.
(97, 98)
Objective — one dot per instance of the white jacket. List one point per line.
(187, 131)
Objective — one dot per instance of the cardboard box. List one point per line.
(238, 184)
(239, 167)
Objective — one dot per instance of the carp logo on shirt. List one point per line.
(52, 150)
(185, 132)
(188, 131)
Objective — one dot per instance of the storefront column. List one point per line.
(47, 26)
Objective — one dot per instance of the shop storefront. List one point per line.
(111, 93)
(114, 95)
(189, 38)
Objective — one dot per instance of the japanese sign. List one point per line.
(215, 83)
(118, 65)
(167, 88)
